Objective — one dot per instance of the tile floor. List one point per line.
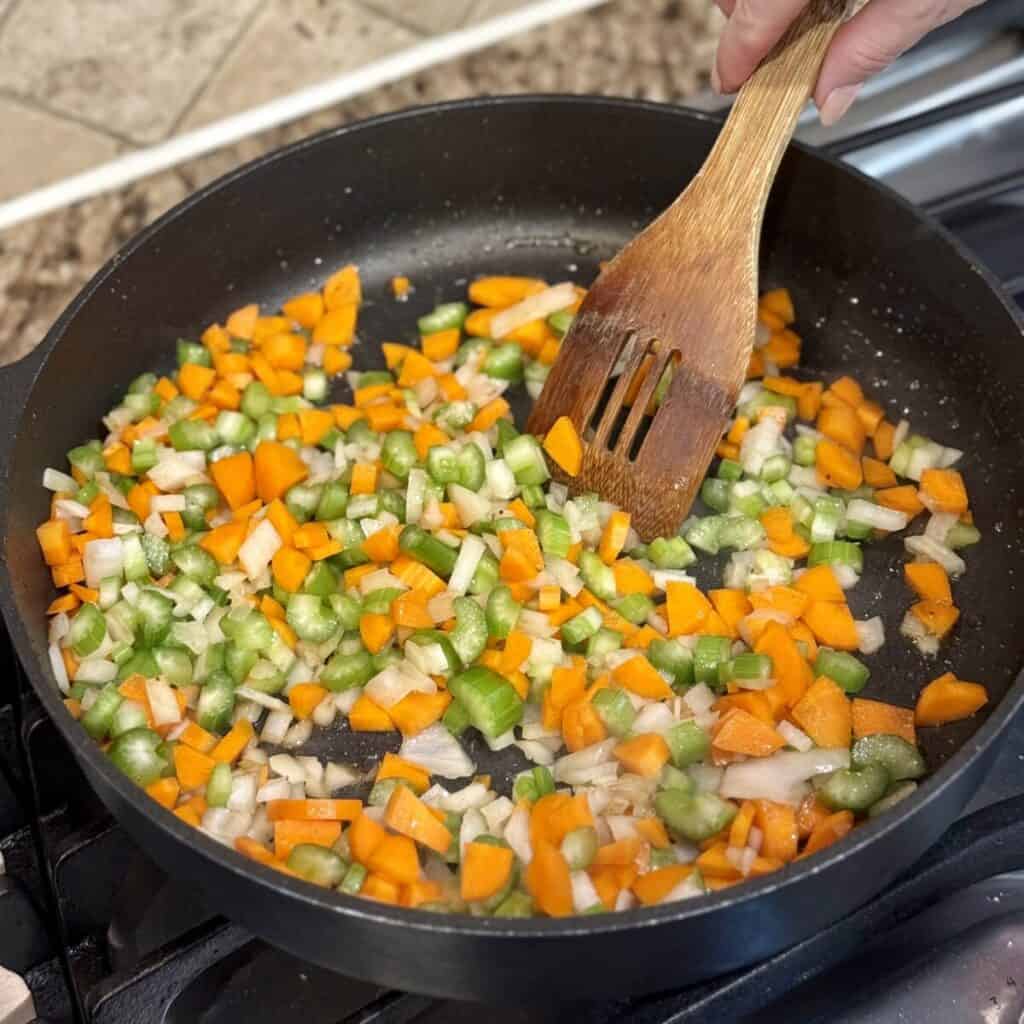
(82, 81)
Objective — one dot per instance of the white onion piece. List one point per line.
(925, 547)
(496, 813)
(163, 704)
(794, 737)
(706, 777)
(441, 607)
(276, 726)
(913, 629)
(298, 734)
(395, 682)
(224, 825)
(259, 548)
(584, 895)
(517, 834)
(846, 576)
(621, 826)
(475, 795)
(242, 797)
(535, 624)
(536, 752)
(533, 307)
(176, 470)
(501, 480)
(470, 553)
(338, 776)
(473, 825)
(876, 516)
(699, 698)
(287, 767)
(506, 739)
(264, 700)
(380, 580)
(471, 507)
(577, 768)
(346, 700)
(275, 789)
(755, 839)
(438, 752)
(655, 717)
(939, 525)
(102, 558)
(55, 480)
(60, 672)
(781, 777)
(167, 503)
(870, 635)
(325, 712)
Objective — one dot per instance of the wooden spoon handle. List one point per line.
(763, 118)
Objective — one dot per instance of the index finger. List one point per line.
(754, 27)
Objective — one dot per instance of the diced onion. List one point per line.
(475, 795)
(437, 751)
(470, 553)
(259, 548)
(781, 777)
(395, 682)
(298, 734)
(163, 704)
(55, 480)
(533, 307)
(176, 470)
(167, 503)
(870, 635)
(275, 789)
(794, 737)
(276, 725)
(876, 516)
(584, 895)
(577, 768)
(287, 767)
(102, 558)
(699, 699)
(929, 549)
(60, 672)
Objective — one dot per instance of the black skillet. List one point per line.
(549, 186)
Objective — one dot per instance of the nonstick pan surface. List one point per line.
(549, 186)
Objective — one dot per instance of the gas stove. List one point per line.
(100, 936)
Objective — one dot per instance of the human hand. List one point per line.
(866, 44)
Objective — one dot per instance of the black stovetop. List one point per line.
(101, 936)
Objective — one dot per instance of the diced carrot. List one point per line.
(838, 466)
(365, 476)
(548, 881)
(72, 571)
(739, 732)
(310, 535)
(739, 830)
(376, 631)
(651, 888)
(874, 716)
(282, 520)
(777, 823)
(489, 414)
(929, 581)
(787, 600)
(824, 714)
(305, 309)
(197, 738)
(290, 568)
(820, 584)
(418, 711)
(277, 468)
(498, 292)
(314, 810)
(568, 683)
(409, 816)
(783, 349)
(54, 538)
(644, 755)
(791, 671)
(290, 833)
(394, 767)
(138, 501)
(365, 835)
(395, 858)
(175, 525)
(440, 345)
(420, 892)
(192, 768)
(714, 864)
(842, 425)
(382, 545)
(242, 322)
(687, 608)
(871, 415)
(484, 871)
(195, 380)
(165, 389)
(383, 890)
(224, 542)
(948, 699)
(945, 491)
(563, 444)
(288, 427)
(808, 402)
(342, 287)
(642, 678)
(366, 716)
(937, 617)
(304, 698)
(165, 792)
(752, 701)
(903, 499)
(829, 831)
(832, 624)
(780, 303)
(335, 360)
(231, 745)
(100, 521)
(64, 603)
(254, 851)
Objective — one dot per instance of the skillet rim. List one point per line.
(369, 912)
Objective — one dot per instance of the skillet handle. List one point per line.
(986, 843)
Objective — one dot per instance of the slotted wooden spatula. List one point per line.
(683, 294)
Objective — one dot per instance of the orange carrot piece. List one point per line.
(192, 768)
(290, 568)
(791, 671)
(54, 539)
(365, 835)
(832, 624)
(484, 871)
(937, 617)
(842, 425)
(652, 887)
(777, 823)
(820, 584)
(902, 499)
(929, 581)
(642, 678)
(945, 491)
(874, 716)
(489, 414)
(417, 711)
(232, 744)
(366, 716)
(409, 816)
(687, 608)
(739, 732)
(824, 714)
(838, 466)
(304, 698)
(225, 541)
(829, 831)
(165, 792)
(563, 444)
(548, 882)
(644, 755)
(877, 474)
(277, 468)
(289, 833)
(395, 858)
(314, 810)
(394, 767)
(948, 699)
(376, 631)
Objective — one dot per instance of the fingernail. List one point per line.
(837, 103)
(716, 80)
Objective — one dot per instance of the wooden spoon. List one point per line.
(683, 294)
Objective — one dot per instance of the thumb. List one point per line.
(870, 41)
